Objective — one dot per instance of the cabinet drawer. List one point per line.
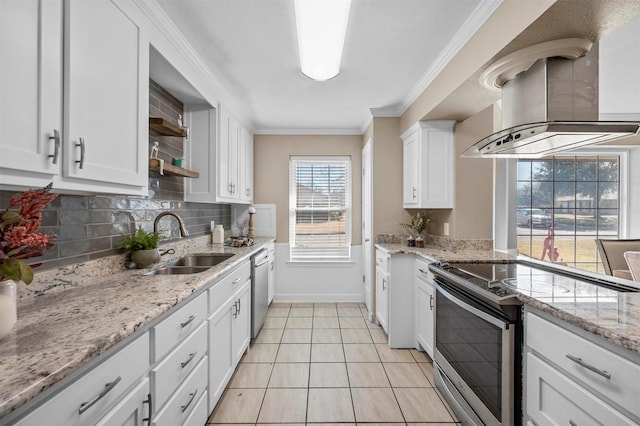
(558, 345)
(124, 369)
(176, 327)
(423, 272)
(168, 375)
(382, 260)
(554, 399)
(199, 415)
(183, 401)
(221, 291)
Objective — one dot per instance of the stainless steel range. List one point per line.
(479, 332)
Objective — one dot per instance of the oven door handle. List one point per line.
(477, 312)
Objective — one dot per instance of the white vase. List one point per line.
(8, 306)
(145, 258)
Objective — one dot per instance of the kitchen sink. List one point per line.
(204, 259)
(172, 270)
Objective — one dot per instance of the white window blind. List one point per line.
(320, 208)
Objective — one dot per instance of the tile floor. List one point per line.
(325, 363)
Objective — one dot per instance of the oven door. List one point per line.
(475, 351)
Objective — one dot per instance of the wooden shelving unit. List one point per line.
(170, 169)
(166, 128)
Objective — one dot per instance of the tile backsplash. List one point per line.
(92, 226)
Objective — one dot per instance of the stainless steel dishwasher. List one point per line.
(259, 290)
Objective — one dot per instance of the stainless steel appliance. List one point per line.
(478, 342)
(259, 290)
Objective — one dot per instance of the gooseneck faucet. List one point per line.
(183, 229)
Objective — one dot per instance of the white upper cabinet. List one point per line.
(245, 170)
(102, 113)
(428, 165)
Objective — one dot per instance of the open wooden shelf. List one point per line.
(170, 169)
(166, 128)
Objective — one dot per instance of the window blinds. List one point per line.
(320, 208)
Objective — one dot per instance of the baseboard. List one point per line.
(318, 298)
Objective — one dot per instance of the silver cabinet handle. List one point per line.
(191, 356)
(431, 302)
(229, 188)
(236, 281)
(188, 321)
(423, 271)
(590, 367)
(235, 309)
(384, 280)
(572, 423)
(56, 146)
(107, 388)
(239, 306)
(81, 160)
(366, 240)
(150, 402)
(185, 406)
(273, 265)
(414, 192)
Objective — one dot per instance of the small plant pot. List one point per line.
(145, 258)
(419, 242)
(8, 306)
(411, 242)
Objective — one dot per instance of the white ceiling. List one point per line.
(391, 47)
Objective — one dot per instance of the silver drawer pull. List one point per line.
(191, 356)
(431, 302)
(187, 322)
(236, 281)
(107, 388)
(56, 146)
(596, 370)
(192, 396)
(572, 423)
(423, 271)
(81, 160)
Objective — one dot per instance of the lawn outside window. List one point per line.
(320, 209)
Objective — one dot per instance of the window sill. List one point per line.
(319, 262)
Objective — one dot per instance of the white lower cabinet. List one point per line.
(220, 345)
(93, 396)
(425, 307)
(575, 378)
(133, 410)
(382, 290)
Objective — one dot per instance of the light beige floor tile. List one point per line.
(361, 352)
(326, 322)
(433, 424)
(378, 335)
(447, 406)
(294, 352)
(284, 406)
(301, 312)
(349, 311)
(325, 312)
(299, 322)
(420, 356)
(302, 305)
(393, 355)
(356, 335)
(261, 352)
(427, 369)
(365, 312)
(274, 322)
(326, 335)
(326, 352)
(269, 335)
(422, 405)
(328, 375)
(406, 375)
(280, 305)
(375, 405)
(238, 406)
(324, 305)
(367, 375)
(348, 304)
(295, 375)
(278, 312)
(352, 322)
(373, 325)
(330, 405)
(296, 335)
(250, 375)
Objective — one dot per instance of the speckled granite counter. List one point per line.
(69, 316)
(615, 317)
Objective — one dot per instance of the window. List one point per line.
(320, 208)
(564, 204)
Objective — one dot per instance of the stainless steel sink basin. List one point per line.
(172, 270)
(204, 259)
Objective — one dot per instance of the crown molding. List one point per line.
(308, 131)
(389, 111)
(479, 16)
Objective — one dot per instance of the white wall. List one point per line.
(308, 282)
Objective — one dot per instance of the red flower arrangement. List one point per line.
(18, 237)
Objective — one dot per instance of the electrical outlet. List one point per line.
(446, 228)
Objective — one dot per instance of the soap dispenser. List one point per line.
(218, 235)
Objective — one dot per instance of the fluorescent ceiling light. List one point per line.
(322, 26)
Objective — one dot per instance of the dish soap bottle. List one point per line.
(218, 235)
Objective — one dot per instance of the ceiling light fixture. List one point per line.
(321, 26)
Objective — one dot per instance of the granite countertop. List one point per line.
(69, 316)
(614, 316)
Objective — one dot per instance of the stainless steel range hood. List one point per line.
(550, 107)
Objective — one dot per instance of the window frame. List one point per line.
(294, 250)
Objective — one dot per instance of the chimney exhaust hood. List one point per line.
(549, 102)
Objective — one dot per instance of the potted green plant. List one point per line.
(143, 246)
(417, 225)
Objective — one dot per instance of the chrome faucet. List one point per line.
(183, 229)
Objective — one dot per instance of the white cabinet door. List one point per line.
(382, 298)
(271, 277)
(227, 155)
(425, 316)
(241, 328)
(220, 352)
(106, 96)
(131, 410)
(30, 91)
(246, 166)
(428, 165)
